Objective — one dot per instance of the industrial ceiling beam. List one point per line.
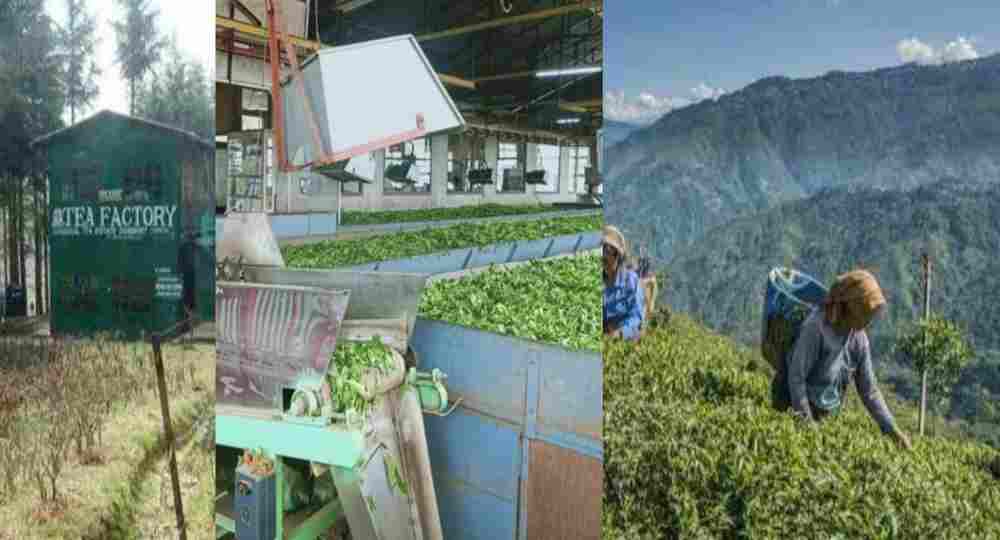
(587, 106)
(583, 5)
(351, 5)
(261, 33)
(452, 80)
(245, 11)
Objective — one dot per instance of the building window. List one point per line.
(408, 167)
(363, 166)
(457, 181)
(509, 157)
(548, 160)
(579, 161)
(465, 153)
(252, 123)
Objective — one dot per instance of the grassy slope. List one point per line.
(372, 217)
(692, 450)
(91, 494)
(332, 254)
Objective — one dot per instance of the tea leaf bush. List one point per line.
(693, 450)
(556, 301)
(374, 217)
(335, 253)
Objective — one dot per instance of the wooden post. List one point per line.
(927, 314)
(168, 432)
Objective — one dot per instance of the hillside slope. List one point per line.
(721, 279)
(780, 140)
(692, 450)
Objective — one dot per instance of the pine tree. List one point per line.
(138, 43)
(78, 40)
(180, 96)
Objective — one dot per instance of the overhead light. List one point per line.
(568, 121)
(582, 70)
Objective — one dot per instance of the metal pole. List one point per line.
(927, 315)
(169, 434)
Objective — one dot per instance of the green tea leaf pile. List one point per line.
(370, 217)
(557, 301)
(333, 254)
(351, 360)
(693, 450)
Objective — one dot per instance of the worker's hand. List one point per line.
(617, 334)
(901, 439)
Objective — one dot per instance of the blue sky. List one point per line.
(664, 54)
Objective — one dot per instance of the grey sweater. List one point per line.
(820, 365)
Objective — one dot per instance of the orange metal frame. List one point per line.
(277, 37)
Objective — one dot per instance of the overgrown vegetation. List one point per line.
(557, 301)
(59, 398)
(693, 450)
(374, 217)
(332, 254)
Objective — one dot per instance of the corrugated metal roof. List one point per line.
(46, 139)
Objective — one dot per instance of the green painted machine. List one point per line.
(276, 396)
(132, 229)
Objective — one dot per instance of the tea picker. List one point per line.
(816, 342)
(623, 293)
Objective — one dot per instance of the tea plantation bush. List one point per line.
(693, 450)
(557, 301)
(372, 217)
(332, 254)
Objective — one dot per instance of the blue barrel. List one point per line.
(788, 299)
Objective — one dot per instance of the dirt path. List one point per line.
(155, 517)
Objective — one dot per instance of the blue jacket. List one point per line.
(623, 303)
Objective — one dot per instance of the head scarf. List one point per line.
(611, 236)
(853, 300)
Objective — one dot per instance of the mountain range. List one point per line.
(780, 140)
(616, 132)
(823, 175)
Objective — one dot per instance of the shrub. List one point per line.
(693, 450)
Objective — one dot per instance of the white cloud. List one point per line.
(914, 50)
(704, 91)
(958, 50)
(648, 107)
(643, 109)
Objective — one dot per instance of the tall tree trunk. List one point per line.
(45, 243)
(8, 230)
(37, 226)
(21, 238)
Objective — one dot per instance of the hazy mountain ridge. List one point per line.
(781, 140)
(721, 279)
(616, 132)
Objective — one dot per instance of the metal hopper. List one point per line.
(321, 118)
(277, 332)
(381, 302)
